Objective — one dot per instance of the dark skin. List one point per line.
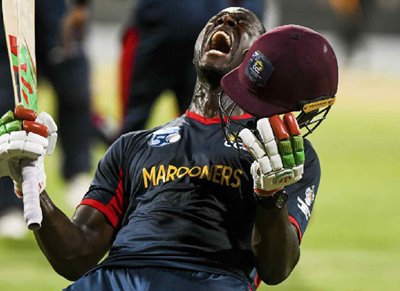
(74, 246)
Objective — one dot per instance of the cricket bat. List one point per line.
(19, 26)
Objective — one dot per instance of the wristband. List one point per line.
(277, 200)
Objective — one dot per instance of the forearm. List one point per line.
(275, 245)
(65, 244)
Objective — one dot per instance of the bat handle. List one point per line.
(32, 211)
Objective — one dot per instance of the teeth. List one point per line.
(215, 36)
(216, 52)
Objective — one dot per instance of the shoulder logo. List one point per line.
(310, 196)
(305, 205)
(165, 136)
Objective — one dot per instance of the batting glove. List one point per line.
(278, 150)
(25, 139)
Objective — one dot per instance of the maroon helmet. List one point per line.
(289, 68)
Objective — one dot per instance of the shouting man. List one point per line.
(187, 205)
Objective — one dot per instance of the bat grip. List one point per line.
(30, 189)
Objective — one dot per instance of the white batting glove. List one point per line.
(19, 147)
(278, 152)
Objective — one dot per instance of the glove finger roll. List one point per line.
(291, 124)
(38, 139)
(7, 117)
(52, 143)
(267, 136)
(16, 142)
(31, 145)
(33, 150)
(46, 119)
(35, 127)
(265, 130)
(5, 138)
(298, 170)
(23, 113)
(252, 144)
(285, 148)
(265, 165)
(255, 173)
(276, 162)
(15, 125)
(296, 138)
(285, 130)
(279, 128)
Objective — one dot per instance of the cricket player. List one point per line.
(183, 207)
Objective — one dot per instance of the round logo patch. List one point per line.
(165, 136)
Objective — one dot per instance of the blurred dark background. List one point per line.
(383, 17)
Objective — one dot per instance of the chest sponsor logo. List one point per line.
(165, 136)
(219, 174)
(305, 204)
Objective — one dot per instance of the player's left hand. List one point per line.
(25, 138)
(278, 150)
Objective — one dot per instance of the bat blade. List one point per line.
(19, 26)
(27, 54)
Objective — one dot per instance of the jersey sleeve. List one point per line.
(303, 193)
(106, 193)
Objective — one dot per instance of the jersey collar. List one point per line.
(214, 120)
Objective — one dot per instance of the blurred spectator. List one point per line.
(157, 52)
(156, 55)
(352, 21)
(61, 60)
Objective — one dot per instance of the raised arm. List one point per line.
(73, 246)
(275, 245)
(277, 147)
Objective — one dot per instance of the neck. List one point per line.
(205, 101)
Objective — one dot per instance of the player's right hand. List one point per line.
(25, 139)
(278, 151)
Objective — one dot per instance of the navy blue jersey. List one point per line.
(151, 279)
(181, 196)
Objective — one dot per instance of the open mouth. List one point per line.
(220, 43)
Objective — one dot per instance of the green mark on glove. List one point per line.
(286, 152)
(288, 161)
(299, 157)
(3, 130)
(285, 147)
(13, 126)
(7, 117)
(298, 148)
(297, 143)
(9, 124)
